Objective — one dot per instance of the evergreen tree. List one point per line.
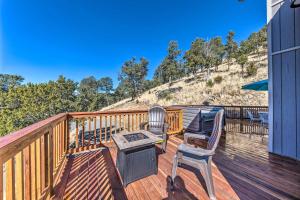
(194, 57)
(242, 59)
(27, 104)
(8, 81)
(133, 76)
(170, 68)
(230, 47)
(218, 51)
(106, 85)
(88, 91)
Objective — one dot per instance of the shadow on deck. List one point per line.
(242, 169)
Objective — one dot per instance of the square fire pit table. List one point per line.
(136, 156)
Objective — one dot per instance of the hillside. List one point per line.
(194, 89)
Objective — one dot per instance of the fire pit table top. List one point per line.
(135, 139)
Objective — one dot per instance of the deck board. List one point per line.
(242, 169)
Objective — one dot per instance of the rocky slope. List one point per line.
(195, 90)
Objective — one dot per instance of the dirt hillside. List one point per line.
(196, 90)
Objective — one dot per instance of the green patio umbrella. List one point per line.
(257, 86)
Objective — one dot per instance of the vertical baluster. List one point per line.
(19, 176)
(115, 124)
(181, 120)
(140, 119)
(1, 179)
(38, 167)
(57, 145)
(54, 149)
(100, 124)
(124, 122)
(95, 131)
(177, 121)
(67, 131)
(33, 171)
(132, 122)
(174, 121)
(62, 138)
(128, 122)
(61, 142)
(82, 134)
(105, 128)
(136, 121)
(27, 170)
(50, 161)
(120, 122)
(10, 179)
(89, 133)
(110, 128)
(76, 135)
(171, 121)
(42, 163)
(55, 138)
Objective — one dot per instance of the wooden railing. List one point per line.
(237, 119)
(32, 158)
(240, 112)
(90, 130)
(233, 112)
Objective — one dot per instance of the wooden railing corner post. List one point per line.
(67, 131)
(241, 112)
(181, 120)
(50, 163)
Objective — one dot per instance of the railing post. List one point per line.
(181, 120)
(67, 134)
(241, 118)
(241, 112)
(50, 163)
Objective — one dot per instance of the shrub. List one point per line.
(218, 79)
(209, 83)
(251, 69)
(205, 103)
(165, 94)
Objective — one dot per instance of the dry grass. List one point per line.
(194, 89)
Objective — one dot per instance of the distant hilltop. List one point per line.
(216, 87)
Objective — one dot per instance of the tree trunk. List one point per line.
(243, 71)
(107, 101)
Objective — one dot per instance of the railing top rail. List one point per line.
(113, 112)
(20, 135)
(228, 106)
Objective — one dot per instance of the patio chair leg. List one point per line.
(174, 167)
(164, 144)
(207, 174)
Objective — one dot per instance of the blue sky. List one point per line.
(41, 39)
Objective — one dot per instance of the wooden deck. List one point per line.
(242, 169)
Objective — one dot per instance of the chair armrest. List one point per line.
(185, 148)
(142, 125)
(192, 135)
